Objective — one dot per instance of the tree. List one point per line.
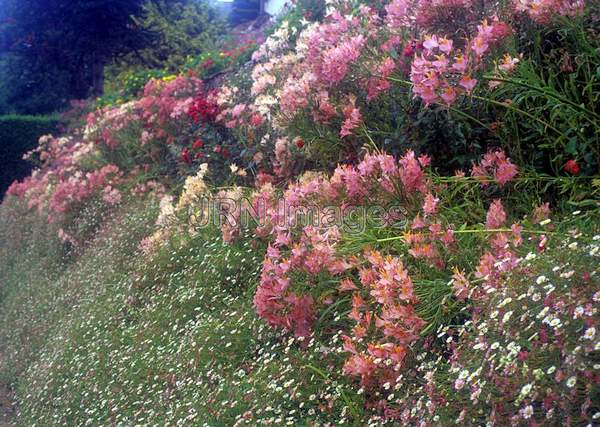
(72, 38)
(181, 28)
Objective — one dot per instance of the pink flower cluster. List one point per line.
(164, 111)
(62, 184)
(544, 11)
(309, 250)
(276, 300)
(384, 299)
(77, 188)
(441, 73)
(352, 118)
(494, 165)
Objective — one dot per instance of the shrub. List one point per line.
(553, 120)
(127, 85)
(18, 135)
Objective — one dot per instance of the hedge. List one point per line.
(19, 134)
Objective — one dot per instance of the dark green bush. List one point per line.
(19, 134)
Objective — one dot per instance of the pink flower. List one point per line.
(468, 83)
(430, 43)
(541, 212)
(448, 95)
(495, 164)
(508, 63)
(397, 13)
(352, 117)
(411, 173)
(479, 45)
(430, 204)
(445, 45)
(496, 216)
(505, 171)
(112, 196)
(347, 285)
(460, 63)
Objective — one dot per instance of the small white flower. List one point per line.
(571, 382)
(479, 346)
(530, 256)
(527, 412)
(541, 279)
(507, 316)
(590, 333)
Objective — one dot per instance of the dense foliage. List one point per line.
(61, 45)
(18, 135)
(385, 217)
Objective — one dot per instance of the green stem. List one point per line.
(470, 117)
(473, 231)
(518, 110)
(543, 91)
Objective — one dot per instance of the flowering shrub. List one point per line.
(68, 179)
(526, 356)
(130, 84)
(327, 84)
(211, 63)
(381, 288)
(441, 74)
(308, 268)
(543, 11)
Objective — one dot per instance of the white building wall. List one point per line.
(274, 7)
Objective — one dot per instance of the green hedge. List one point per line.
(19, 134)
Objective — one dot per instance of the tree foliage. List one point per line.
(182, 28)
(59, 47)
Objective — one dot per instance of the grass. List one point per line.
(111, 337)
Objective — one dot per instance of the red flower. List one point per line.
(300, 143)
(572, 167)
(203, 109)
(198, 144)
(185, 156)
(256, 119)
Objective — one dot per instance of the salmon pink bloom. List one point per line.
(448, 95)
(468, 83)
(495, 216)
